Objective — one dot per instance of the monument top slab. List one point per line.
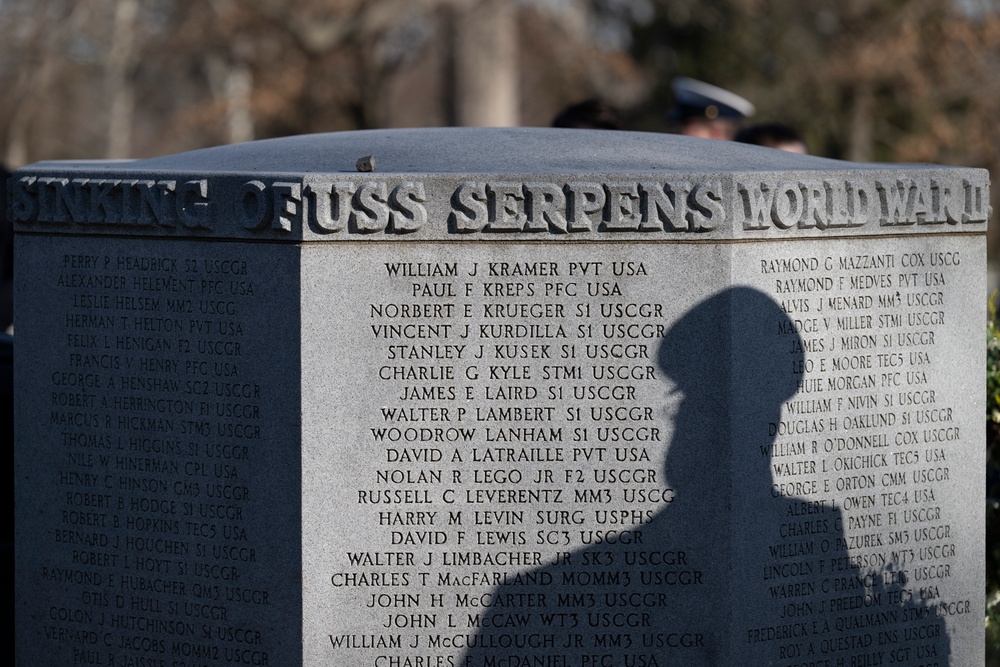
(481, 151)
(529, 184)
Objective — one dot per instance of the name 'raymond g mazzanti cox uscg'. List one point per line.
(507, 398)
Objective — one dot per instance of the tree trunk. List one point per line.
(121, 91)
(485, 65)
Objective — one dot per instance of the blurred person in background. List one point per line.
(592, 114)
(703, 110)
(773, 135)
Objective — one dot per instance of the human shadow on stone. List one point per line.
(747, 563)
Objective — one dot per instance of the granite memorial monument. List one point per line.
(498, 398)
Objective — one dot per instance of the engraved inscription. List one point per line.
(155, 422)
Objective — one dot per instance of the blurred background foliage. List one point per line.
(871, 80)
(882, 80)
(887, 80)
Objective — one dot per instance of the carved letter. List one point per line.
(371, 212)
(256, 208)
(469, 212)
(192, 204)
(409, 213)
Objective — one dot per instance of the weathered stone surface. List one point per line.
(518, 397)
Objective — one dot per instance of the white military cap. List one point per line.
(697, 98)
